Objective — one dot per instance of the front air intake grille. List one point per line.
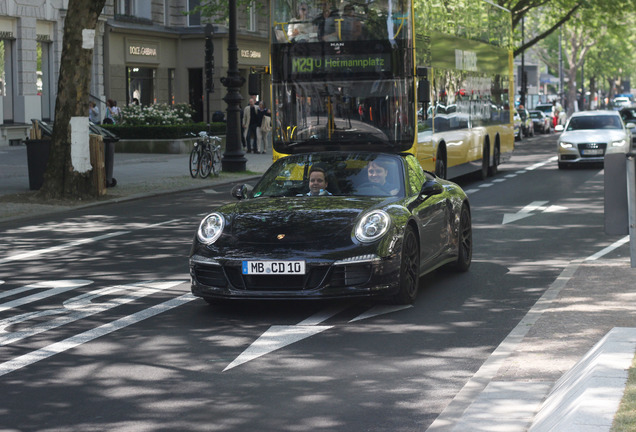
(592, 149)
(350, 275)
(210, 276)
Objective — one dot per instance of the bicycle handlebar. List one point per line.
(204, 135)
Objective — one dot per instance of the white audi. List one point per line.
(589, 135)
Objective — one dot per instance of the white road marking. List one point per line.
(76, 308)
(35, 253)
(39, 252)
(527, 211)
(52, 288)
(277, 337)
(608, 249)
(87, 336)
(323, 315)
(509, 176)
(380, 310)
(274, 338)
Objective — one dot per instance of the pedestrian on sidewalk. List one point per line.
(93, 113)
(265, 128)
(250, 122)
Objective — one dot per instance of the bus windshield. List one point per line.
(331, 86)
(330, 21)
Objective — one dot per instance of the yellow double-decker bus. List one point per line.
(429, 77)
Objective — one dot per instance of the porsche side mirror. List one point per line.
(241, 191)
(430, 188)
(558, 128)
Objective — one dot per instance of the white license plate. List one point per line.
(273, 267)
(593, 152)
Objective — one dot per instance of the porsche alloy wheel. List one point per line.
(409, 269)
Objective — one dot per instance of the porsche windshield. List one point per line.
(348, 174)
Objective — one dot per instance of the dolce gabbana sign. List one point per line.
(142, 51)
(247, 53)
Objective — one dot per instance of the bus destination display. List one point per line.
(346, 63)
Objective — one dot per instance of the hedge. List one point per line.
(164, 132)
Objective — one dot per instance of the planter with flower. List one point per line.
(159, 128)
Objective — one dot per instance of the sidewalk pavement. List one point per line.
(563, 368)
(137, 175)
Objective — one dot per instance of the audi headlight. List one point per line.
(619, 143)
(372, 226)
(566, 145)
(211, 228)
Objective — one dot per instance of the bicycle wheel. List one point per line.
(206, 164)
(194, 162)
(216, 162)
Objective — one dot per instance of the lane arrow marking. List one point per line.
(276, 337)
(524, 212)
(280, 336)
(380, 310)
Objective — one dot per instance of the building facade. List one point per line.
(149, 50)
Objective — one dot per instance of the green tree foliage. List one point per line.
(594, 36)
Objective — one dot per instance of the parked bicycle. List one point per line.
(205, 157)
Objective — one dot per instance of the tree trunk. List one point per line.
(62, 179)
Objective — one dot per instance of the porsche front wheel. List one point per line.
(465, 241)
(409, 269)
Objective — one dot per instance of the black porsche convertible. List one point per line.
(333, 225)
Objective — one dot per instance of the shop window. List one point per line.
(141, 85)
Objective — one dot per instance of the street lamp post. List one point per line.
(234, 157)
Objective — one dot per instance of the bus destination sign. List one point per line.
(346, 63)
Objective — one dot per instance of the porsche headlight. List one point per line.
(372, 226)
(210, 228)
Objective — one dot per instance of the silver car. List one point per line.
(589, 135)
